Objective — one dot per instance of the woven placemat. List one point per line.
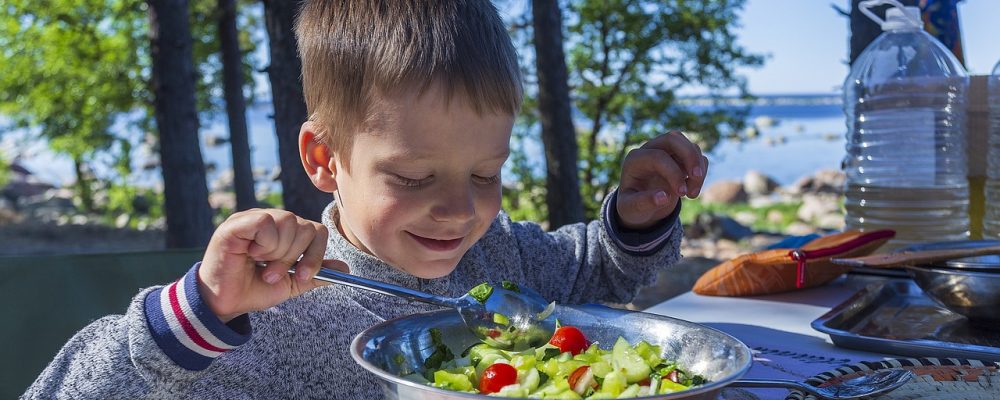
(936, 379)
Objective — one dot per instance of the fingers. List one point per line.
(312, 258)
(647, 169)
(696, 183)
(643, 203)
(688, 159)
(301, 243)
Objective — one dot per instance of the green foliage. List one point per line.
(143, 206)
(273, 200)
(524, 188)
(74, 70)
(787, 211)
(627, 61)
(71, 68)
(4, 171)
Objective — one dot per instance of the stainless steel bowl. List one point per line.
(967, 286)
(398, 347)
(976, 295)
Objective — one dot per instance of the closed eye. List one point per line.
(486, 180)
(410, 182)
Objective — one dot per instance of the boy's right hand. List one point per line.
(229, 279)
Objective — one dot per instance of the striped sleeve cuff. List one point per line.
(186, 329)
(638, 242)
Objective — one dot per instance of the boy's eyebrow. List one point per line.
(398, 158)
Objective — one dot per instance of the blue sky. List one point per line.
(808, 42)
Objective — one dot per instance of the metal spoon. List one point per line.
(874, 384)
(519, 326)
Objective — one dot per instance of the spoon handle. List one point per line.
(776, 383)
(332, 276)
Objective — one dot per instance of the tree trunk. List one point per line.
(298, 192)
(83, 182)
(232, 81)
(562, 183)
(189, 217)
(863, 29)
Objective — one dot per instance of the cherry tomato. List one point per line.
(569, 338)
(497, 376)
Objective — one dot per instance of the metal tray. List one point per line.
(895, 317)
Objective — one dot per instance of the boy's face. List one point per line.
(424, 182)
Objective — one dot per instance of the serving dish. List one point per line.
(399, 347)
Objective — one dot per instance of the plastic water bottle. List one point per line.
(991, 219)
(905, 103)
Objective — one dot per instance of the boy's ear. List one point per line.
(316, 159)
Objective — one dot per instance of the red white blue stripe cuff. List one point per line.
(186, 329)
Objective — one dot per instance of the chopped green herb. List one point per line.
(510, 286)
(550, 352)
(481, 292)
(441, 352)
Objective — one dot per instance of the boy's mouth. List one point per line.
(437, 245)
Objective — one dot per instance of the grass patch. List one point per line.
(787, 211)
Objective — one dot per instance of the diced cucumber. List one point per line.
(513, 390)
(669, 386)
(601, 368)
(631, 391)
(649, 353)
(452, 381)
(614, 383)
(523, 362)
(529, 380)
(555, 389)
(624, 358)
(553, 367)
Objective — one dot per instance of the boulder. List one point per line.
(755, 183)
(222, 200)
(707, 225)
(223, 181)
(816, 205)
(48, 205)
(799, 229)
(724, 192)
(823, 181)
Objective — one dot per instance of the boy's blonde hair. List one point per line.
(353, 51)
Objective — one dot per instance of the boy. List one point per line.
(412, 104)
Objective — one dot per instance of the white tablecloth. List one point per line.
(777, 329)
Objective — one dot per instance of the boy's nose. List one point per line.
(455, 205)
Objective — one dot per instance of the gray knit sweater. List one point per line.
(299, 349)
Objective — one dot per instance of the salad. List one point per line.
(568, 366)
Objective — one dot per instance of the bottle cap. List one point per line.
(902, 19)
(897, 17)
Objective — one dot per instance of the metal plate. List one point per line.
(896, 317)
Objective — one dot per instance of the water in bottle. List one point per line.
(991, 219)
(905, 102)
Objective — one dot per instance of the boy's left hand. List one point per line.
(655, 176)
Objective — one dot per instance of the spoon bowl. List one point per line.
(504, 316)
